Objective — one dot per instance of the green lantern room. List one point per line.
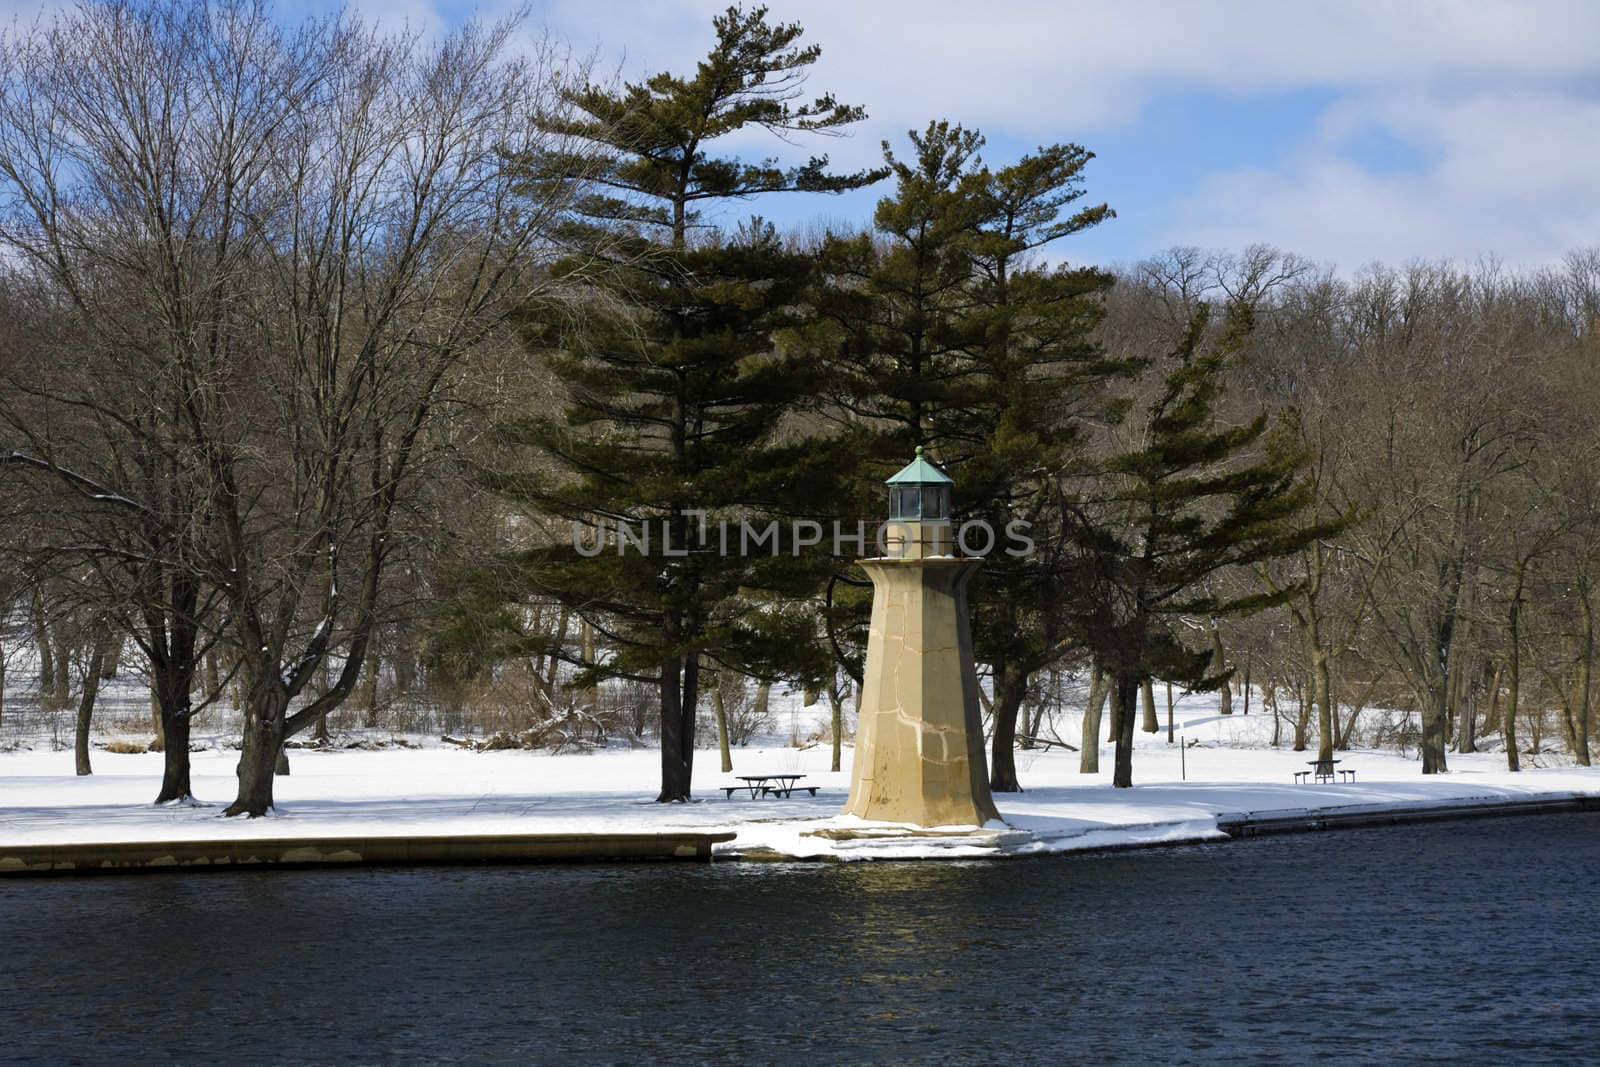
(919, 510)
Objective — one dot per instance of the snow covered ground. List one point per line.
(1229, 768)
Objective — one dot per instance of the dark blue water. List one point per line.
(1473, 941)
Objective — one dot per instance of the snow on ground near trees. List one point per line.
(444, 790)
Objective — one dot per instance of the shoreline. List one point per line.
(1233, 787)
(1226, 828)
(324, 851)
(142, 857)
(1354, 817)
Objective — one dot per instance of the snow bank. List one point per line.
(442, 790)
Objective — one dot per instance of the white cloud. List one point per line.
(1076, 65)
(1514, 174)
(1497, 99)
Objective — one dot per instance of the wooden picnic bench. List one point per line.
(1046, 743)
(1322, 770)
(760, 785)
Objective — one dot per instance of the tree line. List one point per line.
(320, 342)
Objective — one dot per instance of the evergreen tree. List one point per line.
(942, 328)
(1196, 496)
(1038, 379)
(677, 395)
(888, 320)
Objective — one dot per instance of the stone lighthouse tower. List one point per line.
(919, 741)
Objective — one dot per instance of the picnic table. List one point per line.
(760, 785)
(1046, 743)
(1322, 770)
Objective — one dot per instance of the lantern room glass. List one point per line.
(925, 503)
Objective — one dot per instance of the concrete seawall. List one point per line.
(1251, 824)
(135, 856)
(1225, 828)
(468, 849)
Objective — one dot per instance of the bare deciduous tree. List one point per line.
(298, 236)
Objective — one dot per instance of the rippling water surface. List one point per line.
(1475, 941)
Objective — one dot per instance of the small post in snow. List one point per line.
(1183, 763)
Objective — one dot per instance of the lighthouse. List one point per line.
(919, 738)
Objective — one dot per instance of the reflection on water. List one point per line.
(1469, 940)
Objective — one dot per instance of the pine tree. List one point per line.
(1195, 497)
(1038, 379)
(677, 395)
(941, 328)
(888, 319)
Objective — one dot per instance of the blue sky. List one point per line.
(1348, 131)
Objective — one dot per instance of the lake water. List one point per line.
(1475, 941)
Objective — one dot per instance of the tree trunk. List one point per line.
(1585, 675)
(536, 625)
(1269, 696)
(91, 690)
(1346, 728)
(1114, 724)
(1436, 708)
(172, 640)
(680, 679)
(691, 708)
(1513, 673)
(1219, 663)
(1491, 719)
(1045, 701)
(1247, 684)
(1147, 701)
(369, 684)
(1307, 615)
(1302, 719)
(175, 765)
(560, 642)
(159, 742)
(836, 705)
(319, 732)
(1467, 716)
(1124, 711)
(113, 660)
(47, 658)
(1170, 734)
(592, 696)
(719, 705)
(763, 701)
(1011, 687)
(265, 710)
(404, 662)
(1324, 700)
(1089, 747)
(672, 785)
(1434, 714)
(61, 685)
(1459, 699)
(80, 733)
